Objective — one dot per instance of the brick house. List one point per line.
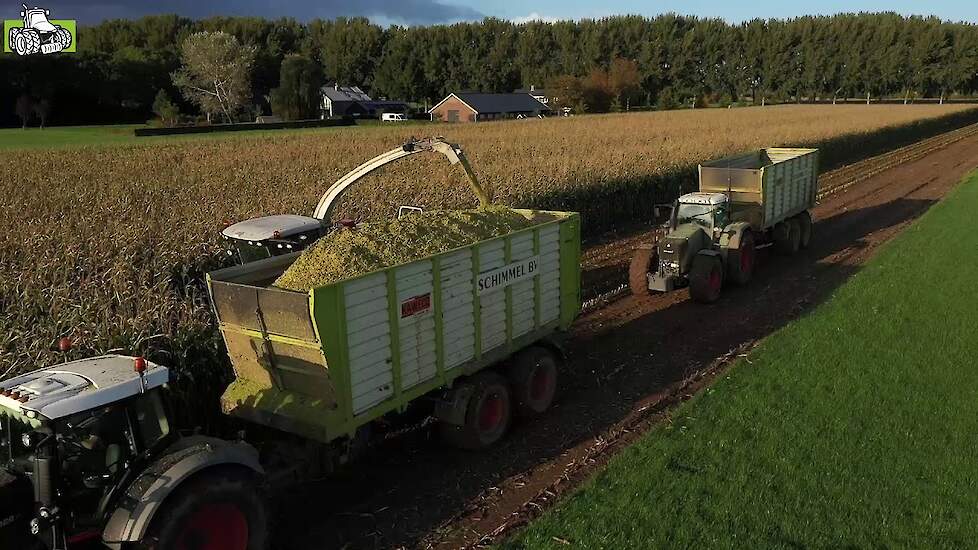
(474, 107)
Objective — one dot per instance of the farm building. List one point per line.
(338, 101)
(473, 107)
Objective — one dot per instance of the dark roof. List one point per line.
(344, 93)
(502, 103)
(535, 91)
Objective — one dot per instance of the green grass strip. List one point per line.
(855, 426)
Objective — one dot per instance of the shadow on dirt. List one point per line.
(412, 484)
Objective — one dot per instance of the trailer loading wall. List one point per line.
(324, 363)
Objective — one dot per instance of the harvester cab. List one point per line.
(268, 236)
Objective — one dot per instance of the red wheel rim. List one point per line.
(541, 383)
(491, 413)
(219, 526)
(715, 280)
(747, 259)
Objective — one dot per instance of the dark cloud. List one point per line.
(409, 12)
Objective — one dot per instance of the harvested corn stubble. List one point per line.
(347, 253)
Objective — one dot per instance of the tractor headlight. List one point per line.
(28, 440)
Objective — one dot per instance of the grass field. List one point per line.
(853, 427)
(108, 245)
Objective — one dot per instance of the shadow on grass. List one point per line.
(410, 485)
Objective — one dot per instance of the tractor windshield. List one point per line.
(700, 214)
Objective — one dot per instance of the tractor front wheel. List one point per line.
(32, 41)
(706, 279)
(644, 261)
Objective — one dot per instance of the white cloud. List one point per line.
(534, 17)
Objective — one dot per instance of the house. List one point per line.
(543, 96)
(340, 101)
(472, 107)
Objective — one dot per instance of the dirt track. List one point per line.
(626, 360)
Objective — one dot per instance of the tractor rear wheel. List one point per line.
(805, 225)
(487, 414)
(706, 279)
(642, 264)
(741, 261)
(220, 511)
(533, 377)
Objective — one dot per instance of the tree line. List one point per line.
(617, 62)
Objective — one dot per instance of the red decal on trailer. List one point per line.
(415, 306)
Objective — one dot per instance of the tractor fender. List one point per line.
(730, 238)
(185, 459)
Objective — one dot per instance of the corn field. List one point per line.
(108, 245)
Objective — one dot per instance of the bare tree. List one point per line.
(24, 108)
(43, 110)
(216, 72)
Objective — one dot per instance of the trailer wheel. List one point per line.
(787, 237)
(706, 279)
(638, 272)
(805, 226)
(741, 261)
(221, 511)
(487, 414)
(533, 377)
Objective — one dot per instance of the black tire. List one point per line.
(224, 506)
(641, 266)
(483, 426)
(742, 261)
(33, 41)
(805, 226)
(65, 38)
(706, 279)
(787, 237)
(533, 378)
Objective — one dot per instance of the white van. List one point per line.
(393, 117)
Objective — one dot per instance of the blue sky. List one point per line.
(420, 12)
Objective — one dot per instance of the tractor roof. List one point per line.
(66, 389)
(270, 227)
(708, 199)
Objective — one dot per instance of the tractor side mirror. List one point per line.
(661, 214)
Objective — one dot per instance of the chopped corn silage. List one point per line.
(348, 253)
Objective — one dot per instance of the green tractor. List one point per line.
(712, 236)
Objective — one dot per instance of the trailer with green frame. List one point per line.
(325, 363)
